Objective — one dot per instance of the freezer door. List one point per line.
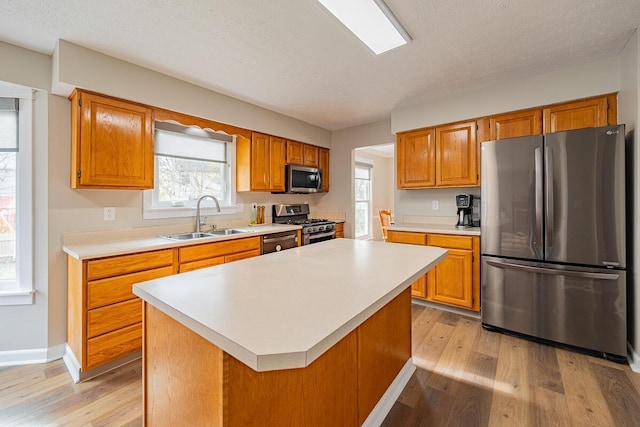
(512, 196)
(582, 307)
(585, 196)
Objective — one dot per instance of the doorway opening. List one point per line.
(374, 180)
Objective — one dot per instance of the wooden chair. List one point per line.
(385, 220)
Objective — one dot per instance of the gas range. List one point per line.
(313, 229)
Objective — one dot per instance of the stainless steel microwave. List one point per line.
(303, 179)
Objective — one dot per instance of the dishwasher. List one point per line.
(276, 242)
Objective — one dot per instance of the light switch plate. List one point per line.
(435, 205)
(109, 213)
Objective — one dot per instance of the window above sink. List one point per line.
(189, 162)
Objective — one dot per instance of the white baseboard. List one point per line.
(78, 375)
(634, 358)
(443, 307)
(31, 356)
(384, 405)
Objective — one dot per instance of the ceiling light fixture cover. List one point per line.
(371, 21)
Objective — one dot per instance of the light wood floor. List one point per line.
(466, 377)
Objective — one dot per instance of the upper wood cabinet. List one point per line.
(299, 153)
(415, 152)
(594, 112)
(295, 152)
(310, 155)
(512, 125)
(456, 155)
(111, 143)
(260, 163)
(445, 156)
(323, 162)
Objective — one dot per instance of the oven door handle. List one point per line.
(321, 235)
(280, 239)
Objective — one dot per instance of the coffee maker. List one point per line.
(464, 204)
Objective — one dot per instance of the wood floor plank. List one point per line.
(475, 393)
(487, 343)
(510, 404)
(428, 348)
(453, 360)
(621, 396)
(548, 408)
(543, 369)
(585, 400)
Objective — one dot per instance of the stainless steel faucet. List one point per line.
(200, 223)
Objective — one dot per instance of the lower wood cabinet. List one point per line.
(339, 230)
(104, 317)
(210, 254)
(456, 279)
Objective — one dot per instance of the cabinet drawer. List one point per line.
(114, 344)
(210, 250)
(125, 264)
(450, 241)
(242, 255)
(116, 289)
(112, 317)
(203, 263)
(406, 237)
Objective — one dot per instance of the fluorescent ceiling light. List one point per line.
(371, 21)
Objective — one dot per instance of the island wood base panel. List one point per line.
(190, 381)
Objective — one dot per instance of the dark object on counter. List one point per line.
(463, 203)
(475, 212)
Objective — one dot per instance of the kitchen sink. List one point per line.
(202, 235)
(187, 236)
(227, 231)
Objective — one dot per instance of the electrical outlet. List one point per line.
(109, 213)
(435, 205)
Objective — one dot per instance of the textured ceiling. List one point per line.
(292, 57)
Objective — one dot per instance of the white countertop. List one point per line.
(283, 310)
(435, 228)
(122, 247)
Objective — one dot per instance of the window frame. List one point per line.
(22, 292)
(369, 168)
(152, 211)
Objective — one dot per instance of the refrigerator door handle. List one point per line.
(538, 207)
(548, 164)
(552, 271)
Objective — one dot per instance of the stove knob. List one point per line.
(330, 227)
(321, 228)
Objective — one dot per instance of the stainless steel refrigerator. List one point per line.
(553, 238)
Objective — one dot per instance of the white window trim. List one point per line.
(24, 293)
(369, 166)
(207, 208)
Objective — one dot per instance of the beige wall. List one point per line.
(76, 66)
(343, 142)
(585, 80)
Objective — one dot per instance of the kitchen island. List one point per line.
(318, 335)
